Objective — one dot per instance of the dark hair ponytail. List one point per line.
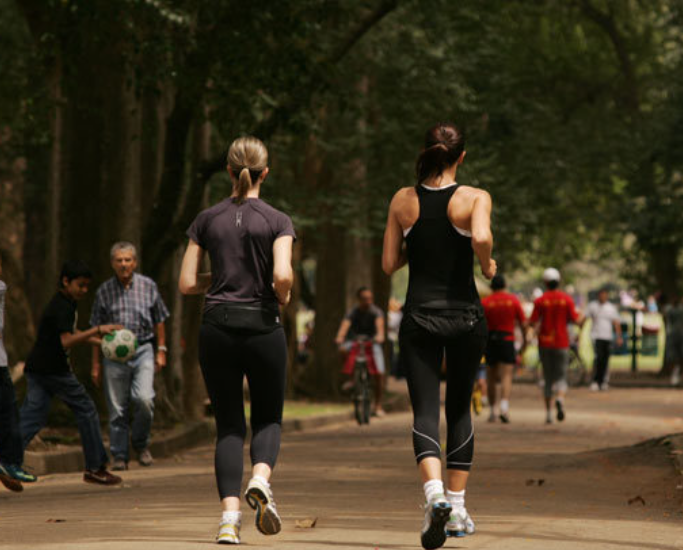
(444, 143)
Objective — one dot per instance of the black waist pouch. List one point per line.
(448, 320)
(499, 336)
(247, 317)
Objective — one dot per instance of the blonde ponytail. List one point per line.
(243, 185)
(247, 158)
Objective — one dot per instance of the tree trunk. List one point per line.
(290, 323)
(330, 301)
(19, 330)
(194, 392)
(55, 175)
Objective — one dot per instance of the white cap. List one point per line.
(551, 274)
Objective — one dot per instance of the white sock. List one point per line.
(262, 480)
(232, 517)
(549, 416)
(504, 406)
(456, 498)
(432, 488)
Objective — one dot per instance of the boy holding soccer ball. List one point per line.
(48, 372)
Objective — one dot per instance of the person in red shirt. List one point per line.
(502, 310)
(553, 311)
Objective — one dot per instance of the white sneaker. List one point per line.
(437, 512)
(604, 387)
(676, 377)
(594, 386)
(460, 524)
(260, 498)
(229, 532)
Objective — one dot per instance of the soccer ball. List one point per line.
(119, 345)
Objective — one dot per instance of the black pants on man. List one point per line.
(11, 448)
(602, 349)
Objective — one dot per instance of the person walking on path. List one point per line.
(48, 372)
(366, 319)
(606, 322)
(132, 300)
(673, 348)
(437, 227)
(502, 310)
(11, 449)
(250, 246)
(553, 311)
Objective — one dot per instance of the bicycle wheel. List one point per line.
(366, 397)
(358, 393)
(576, 371)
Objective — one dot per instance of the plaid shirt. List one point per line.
(138, 307)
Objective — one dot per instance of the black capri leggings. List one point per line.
(422, 354)
(226, 356)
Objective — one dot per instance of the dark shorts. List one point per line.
(499, 350)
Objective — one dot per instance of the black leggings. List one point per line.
(422, 354)
(226, 356)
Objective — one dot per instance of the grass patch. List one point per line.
(296, 409)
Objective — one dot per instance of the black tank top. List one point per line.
(441, 259)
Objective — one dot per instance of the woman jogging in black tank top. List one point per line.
(250, 247)
(436, 228)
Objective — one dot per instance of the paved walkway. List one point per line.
(361, 485)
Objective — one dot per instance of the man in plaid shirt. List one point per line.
(132, 300)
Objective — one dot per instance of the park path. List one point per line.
(361, 485)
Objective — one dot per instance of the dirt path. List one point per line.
(362, 486)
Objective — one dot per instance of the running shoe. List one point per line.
(560, 410)
(505, 418)
(18, 473)
(437, 512)
(459, 524)
(145, 458)
(492, 416)
(119, 465)
(8, 481)
(101, 477)
(229, 532)
(594, 386)
(260, 498)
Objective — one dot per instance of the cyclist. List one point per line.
(250, 246)
(502, 310)
(553, 311)
(605, 322)
(437, 227)
(366, 319)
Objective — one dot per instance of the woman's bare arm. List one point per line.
(190, 280)
(283, 274)
(482, 238)
(394, 253)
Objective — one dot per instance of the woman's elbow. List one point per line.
(387, 267)
(184, 287)
(483, 237)
(283, 278)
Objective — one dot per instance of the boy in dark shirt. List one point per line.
(48, 372)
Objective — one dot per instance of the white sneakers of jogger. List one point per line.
(229, 532)
(260, 498)
(460, 524)
(437, 512)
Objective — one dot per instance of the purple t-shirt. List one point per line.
(239, 240)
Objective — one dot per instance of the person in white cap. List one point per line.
(553, 311)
